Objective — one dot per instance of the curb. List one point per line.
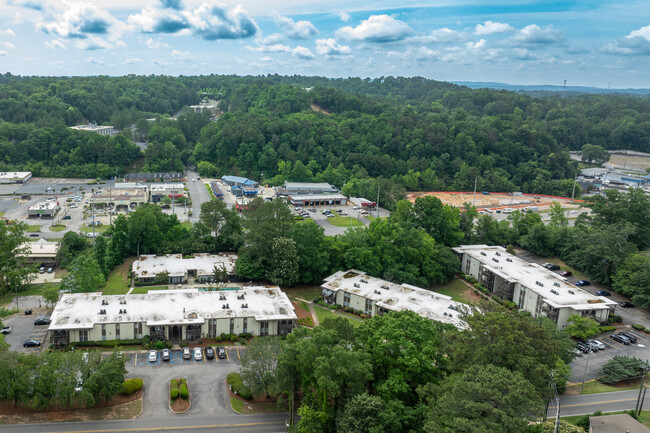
(142, 407)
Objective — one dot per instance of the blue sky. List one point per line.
(588, 43)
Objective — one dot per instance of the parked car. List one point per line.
(551, 266)
(566, 273)
(153, 356)
(32, 343)
(629, 336)
(165, 354)
(600, 344)
(603, 293)
(593, 346)
(186, 353)
(209, 353)
(306, 216)
(582, 348)
(34, 235)
(41, 270)
(578, 352)
(50, 270)
(626, 304)
(67, 217)
(311, 209)
(28, 312)
(329, 215)
(364, 212)
(343, 212)
(198, 355)
(620, 339)
(583, 283)
(221, 352)
(5, 330)
(42, 321)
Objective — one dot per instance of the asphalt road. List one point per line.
(606, 402)
(198, 193)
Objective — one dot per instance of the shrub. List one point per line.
(613, 318)
(638, 327)
(173, 393)
(233, 338)
(510, 305)
(146, 340)
(223, 336)
(131, 386)
(238, 387)
(620, 368)
(607, 328)
(184, 393)
(317, 299)
(364, 315)
(245, 335)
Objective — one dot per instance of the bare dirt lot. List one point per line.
(494, 200)
(629, 161)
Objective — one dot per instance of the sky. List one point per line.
(599, 43)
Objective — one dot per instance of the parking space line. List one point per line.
(227, 357)
(135, 360)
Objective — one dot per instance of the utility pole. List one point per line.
(639, 400)
(474, 199)
(377, 204)
(93, 204)
(584, 376)
(575, 179)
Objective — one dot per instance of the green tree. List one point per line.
(313, 251)
(620, 368)
(100, 252)
(482, 399)
(442, 222)
(15, 272)
(51, 294)
(85, 276)
(258, 369)
(362, 414)
(558, 218)
(224, 223)
(161, 278)
(594, 153)
(283, 264)
(632, 278)
(70, 247)
(581, 327)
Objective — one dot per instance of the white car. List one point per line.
(73, 205)
(198, 356)
(153, 356)
(600, 344)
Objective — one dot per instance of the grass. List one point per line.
(87, 229)
(344, 221)
(246, 408)
(57, 228)
(144, 289)
(33, 228)
(454, 288)
(31, 290)
(644, 418)
(118, 280)
(209, 191)
(595, 387)
(304, 292)
(237, 405)
(323, 313)
(186, 224)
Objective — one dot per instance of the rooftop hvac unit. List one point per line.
(356, 285)
(363, 281)
(483, 254)
(572, 292)
(244, 305)
(495, 259)
(556, 284)
(554, 292)
(539, 283)
(508, 259)
(497, 253)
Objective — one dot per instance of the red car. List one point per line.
(566, 274)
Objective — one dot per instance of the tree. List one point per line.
(258, 369)
(442, 222)
(593, 153)
(482, 399)
(101, 254)
(71, 246)
(632, 278)
(362, 414)
(51, 294)
(313, 251)
(620, 368)
(558, 219)
(15, 272)
(581, 327)
(549, 427)
(85, 276)
(283, 263)
(161, 278)
(224, 223)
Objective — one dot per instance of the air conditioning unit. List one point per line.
(497, 253)
(556, 284)
(572, 292)
(508, 259)
(483, 254)
(495, 259)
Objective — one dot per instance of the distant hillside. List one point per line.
(542, 88)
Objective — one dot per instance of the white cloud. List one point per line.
(293, 29)
(472, 52)
(636, 43)
(55, 44)
(275, 38)
(96, 61)
(154, 45)
(212, 22)
(132, 60)
(8, 45)
(302, 52)
(522, 54)
(420, 54)
(56, 63)
(536, 35)
(7, 32)
(182, 54)
(377, 28)
(440, 36)
(78, 20)
(275, 48)
(3, 53)
(344, 16)
(490, 28)
(94, 43)
(329, 47)
(153, 19)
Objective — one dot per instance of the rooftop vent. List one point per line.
(554, 292)
(244, 305)
(539, 283)
(483, 254)
(556, 284)
(572, 292)
(104, 302)
(495, 259)
(363, 281)
(356, 285)
(508, 259)
(497, 253)
(102, 311)
(384, 286)
(240, 297)
(222, 297)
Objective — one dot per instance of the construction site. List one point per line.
(496, 200)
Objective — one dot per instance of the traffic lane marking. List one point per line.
(595, 402)
(195, 427)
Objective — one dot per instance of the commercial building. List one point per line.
(363, 203)
(216, 190)
(41, 252)
(200, 268)
(375, 296)
(160, 190)
(155, 177)
(15, 176)
(293, 188)
(532, 287)
(92, 127)
(124, 194)
(175, 315)
(243, 191)
(317, 199)
(238, 181)
(42, 209)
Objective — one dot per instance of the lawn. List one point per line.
(118, 280)
(644, 418)
(57, 228)
(245, 408)
(344, 221)
(186, 224)
(323, 313)
(595, 387)
(87, 229)
(33, 228)
(454, 288)
(209, 191)
(304, 292)
(144, 289)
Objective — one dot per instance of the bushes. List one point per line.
(620, 368)
(178, 388)
(238, 387)
(613, 318)
(146, 340)
(107, 343)
(130, 386)
(245, 335)
(607, 328)
(638, 327)
(173, 389)
(184, 393)
(306, 321)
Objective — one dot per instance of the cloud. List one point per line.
(440, 36)
(3, 53)
(522, 54)
(182, 54)
(154, 45)
(275, 48)
(172, 4)
(8, 45)
(94, 43)
(29, 4)
(132, 60)
(302, 52)
(377, 28)
(536, 35)
(156, 20)
(7, 32)
(329, 47)
(275, 38)
(490, 28)
(95, 61)
(344, 16)
(55, 44)
(636, 43)
(473, 51)
(293, 29)
(211, 22)
(78, 20)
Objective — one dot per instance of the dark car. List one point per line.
(42, 321)
(592, 346)
(209, 353)
(566, 273)
(583, 283)
(582, 348)
(603, 293)
(626, 304)
(32, 343)
(28, 312)
(629, 336)
(67, 217)
(620, 339)
(221, 352)
(551, 266)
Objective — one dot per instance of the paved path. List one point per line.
(311, 310)
(606, 402)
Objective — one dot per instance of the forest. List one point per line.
(386, 135)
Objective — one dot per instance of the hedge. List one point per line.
(130, 386)
(173, 389)
(613, 318)
(245, 335)
(184, 393)
(238, 387)
(638, 327)
(107, 343)
(607, 328)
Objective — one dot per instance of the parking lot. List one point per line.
(141, 359)
(22, 326)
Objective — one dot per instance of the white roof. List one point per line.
(528, 274)
(309, 185)
(91, 127)
(397, 297)
(41, 248)
(166, 186)
(176, 265)
(44, 205)
(129, 185)
(14, 174)
(319, 197)
(170, 307)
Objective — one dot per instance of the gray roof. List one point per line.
(620, 423)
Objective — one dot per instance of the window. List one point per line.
(212, 328)
(245, 324)
(103, 332)
(137, 330)
(346, 299)
(232, 326)
(83, 335)
(368, 306)
(117, 331)
(264, 328)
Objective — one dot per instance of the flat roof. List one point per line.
(129, 185)
(309, 185)
(238, 179)
(91, 127)
(41, 248)
(317, 197)
(617, 423)
(170, 307)
(397, 297)
(4, 175)
(176, 265)
(163, 186)
(555, 289)
(44, 205)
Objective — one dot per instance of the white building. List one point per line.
(41, 252)
(15, 176)
(99, 129)
(375, 296)
(43, 209)
(159, 190)
(200, 267)
(176, 315)
(532, 287)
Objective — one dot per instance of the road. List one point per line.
(606, 402)
(198, 193)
